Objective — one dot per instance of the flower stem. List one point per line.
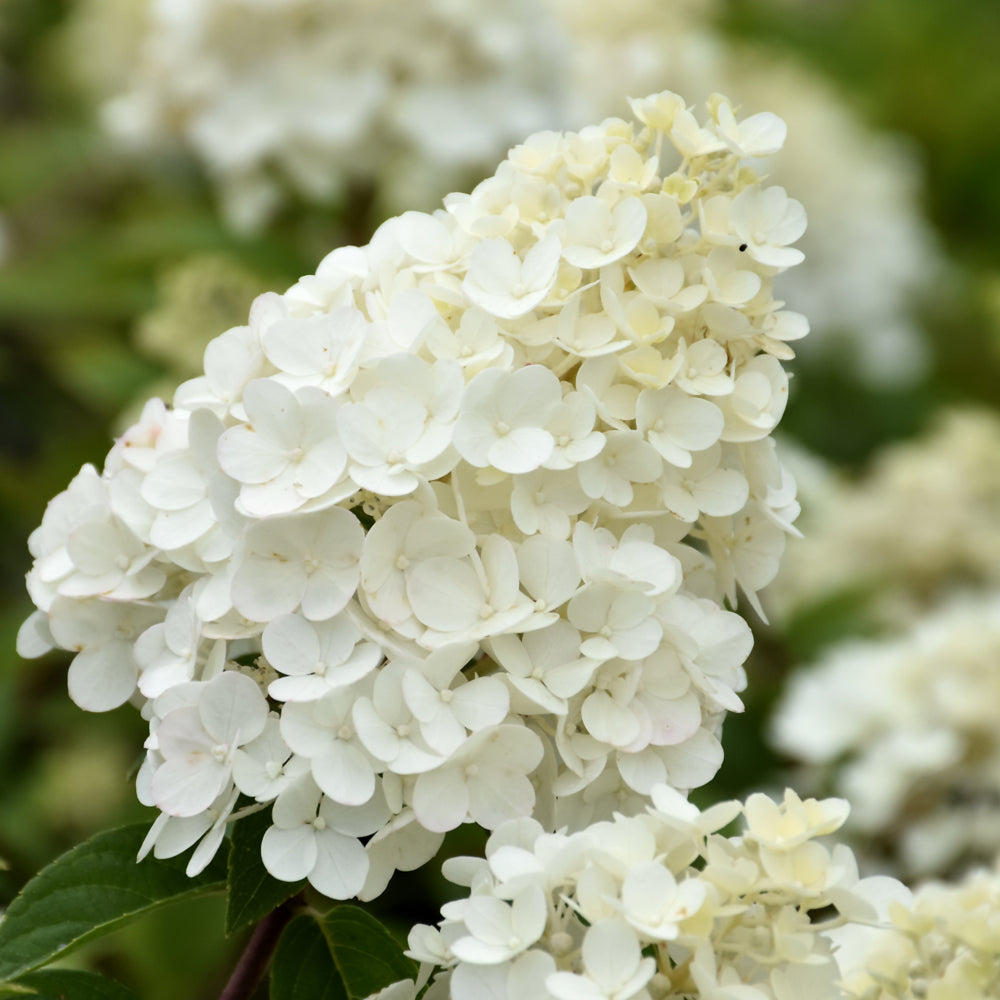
(256, 956)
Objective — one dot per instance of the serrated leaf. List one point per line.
(303, 968)
(89, 891)
(366, 955)
(345, 952)
(65, 984)
(253, 891)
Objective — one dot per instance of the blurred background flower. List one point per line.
(906, 728)
(160, 166)
(397, 101)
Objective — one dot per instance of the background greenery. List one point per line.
(101, 260)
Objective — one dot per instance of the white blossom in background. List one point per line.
(869, 250)
(908, 727)
(419, 98)
(304, 94)
(942, 943)
(453, 530)
(660, 904)
(920, 521)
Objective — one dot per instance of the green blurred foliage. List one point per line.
(928, 71)
(89, 288)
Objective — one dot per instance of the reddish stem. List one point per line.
(256, 956)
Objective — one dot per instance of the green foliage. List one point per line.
(97, 887)
(927, 69)
(366, 954)
(90, 891)
(303, 968)
(345, 955)
(65, 984)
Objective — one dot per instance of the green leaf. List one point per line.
(253, 891)
(65, 984)
(89, 891)
(367, 956)
(303, 968)
(345, 952)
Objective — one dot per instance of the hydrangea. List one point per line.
(660, 904)
(920, 521)
(303, 94)
(470, 505)
(909, 726)
(942, 943)
(870, 249)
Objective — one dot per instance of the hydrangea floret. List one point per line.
(657, 905)
(451, 531)
(941, 943)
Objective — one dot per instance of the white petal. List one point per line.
(175, 529)
(232, 709)
(695, 761)
(173, 484)
(445, 594)
(104, 678)
(440, 800)
(33, 637)
(341, 865)
(498, 795)
(263, 589)
(484, 982)
(182, 787)
(480, 703)
(291, 645)
(569, 986)
(608, 721)
(611, 953)
(289, 855)
(345, 774)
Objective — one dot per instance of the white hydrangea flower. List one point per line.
(324, 734)
(921, 521)
(503, 418)
(908, 725)
(198, 743)
(315, 657)
(658, 904)
(443, 535)
(83, 549)
(287, 453)
(941, 942)
(314, 839)
(304, 95)
(289, 563)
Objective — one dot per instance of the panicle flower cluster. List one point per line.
(942, 945)
(920, 522)
(269, 94)
(444, 533)
(870, 251)
(658, 905)
(910, 726)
